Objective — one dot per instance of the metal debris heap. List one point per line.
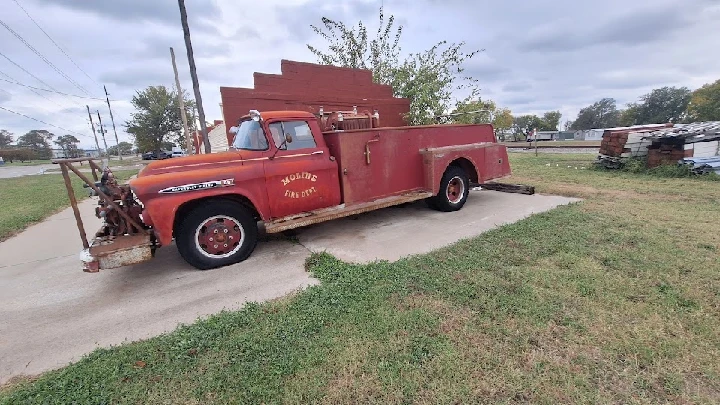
(663, 144)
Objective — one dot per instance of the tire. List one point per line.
(454, 190)
(236, 231)
(430, 202)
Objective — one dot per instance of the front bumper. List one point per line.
(105, 253)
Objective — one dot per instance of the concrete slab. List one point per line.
(7, 171)
(394, 233)
(52, 313)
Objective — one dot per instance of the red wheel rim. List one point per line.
(455, 190)
(219, 236)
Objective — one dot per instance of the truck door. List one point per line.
(302, 176)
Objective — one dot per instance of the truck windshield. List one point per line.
(250, 136)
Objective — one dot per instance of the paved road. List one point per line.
(52, 313)
(7, 172)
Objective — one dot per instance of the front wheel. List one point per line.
(454, 189)
(217, 234)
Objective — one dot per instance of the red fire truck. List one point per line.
(285, 170)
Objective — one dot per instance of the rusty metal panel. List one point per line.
(300, 182)
(482, 161)
(387, 161)
(297, 221)
(163, 189)
(496, 164)
(121, 251)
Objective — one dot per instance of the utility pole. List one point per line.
(193, 119)
(117, 142)
(102, 133)
(193, 74)
(92, 125)
(181, 102)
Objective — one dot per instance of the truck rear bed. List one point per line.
(383, 162)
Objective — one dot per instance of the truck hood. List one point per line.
(194, 162)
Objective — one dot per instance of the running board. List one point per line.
(340, 211)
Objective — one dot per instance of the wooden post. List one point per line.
(73, 204)
(193, 74)
(102, 133)
(92, 125)
(95, 168)
(183, 115)
(117, 141)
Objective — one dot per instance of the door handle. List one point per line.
(367, 148)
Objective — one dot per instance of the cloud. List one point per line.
(158, 47)
(297, 18)
(485, 69)
(5, 96)
(166, 11)
(540, 56)
(635, 79)
(637, 27)
(517, 87)
(139, 77)
(520, 100)
(74, 110)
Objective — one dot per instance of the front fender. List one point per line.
(163, 194)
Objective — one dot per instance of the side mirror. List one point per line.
(288, 139)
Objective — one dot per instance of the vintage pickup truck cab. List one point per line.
(288, 169)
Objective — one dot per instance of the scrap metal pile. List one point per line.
(696, 144)
(619, 144)
(114, 224)
(672, 145)
(703, 165)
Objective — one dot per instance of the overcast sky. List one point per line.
(539, 55)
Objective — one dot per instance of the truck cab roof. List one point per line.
(283, 114)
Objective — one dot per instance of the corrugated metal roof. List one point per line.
(637, 127)
(689, 133)
(703, 165)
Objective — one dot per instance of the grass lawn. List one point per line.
(28, 163)
(29, 199)
(612, 300)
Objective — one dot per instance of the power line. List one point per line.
(35, 77)
(12, 80)
(24, 70)
(41, 56)
(43, 122)
(56, 44)
(52, 91)
(31, 88)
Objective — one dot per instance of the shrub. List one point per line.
(20, 154)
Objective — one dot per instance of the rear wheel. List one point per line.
(454, 189)
(217, 234)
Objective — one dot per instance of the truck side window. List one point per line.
(276, 131)
(300, 131)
